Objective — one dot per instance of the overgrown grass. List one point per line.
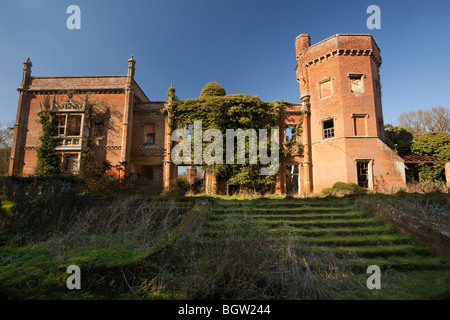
(131, 247)
(348, 231)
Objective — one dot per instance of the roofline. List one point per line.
(142, 91)
(88, 87)
(65, 77)
(346, 35)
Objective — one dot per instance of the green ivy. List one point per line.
(229, 112)
(48, 159)
(171, 96)
(293, 141)
(436, 144)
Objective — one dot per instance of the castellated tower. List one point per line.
(340, 91)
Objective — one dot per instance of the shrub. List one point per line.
(340, 189)
(33, 204)
(177, 187)
(213, 89)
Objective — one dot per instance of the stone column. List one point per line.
(168, 167)
(211, 186)
(307, 177)
(20, 125)
(128, 116)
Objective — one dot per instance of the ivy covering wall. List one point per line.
(219, 111)
(48, 159)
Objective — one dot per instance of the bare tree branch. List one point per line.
(435, 120)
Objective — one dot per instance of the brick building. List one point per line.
(340, 102)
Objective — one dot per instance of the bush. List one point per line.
(340, 189)
(32, 204)
(213, 89)
(177, 187)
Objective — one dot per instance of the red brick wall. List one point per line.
(107, 104)
(333, 159)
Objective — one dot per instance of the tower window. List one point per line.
(325, 88)
(356, 83)
(360, 124)
(328, 129)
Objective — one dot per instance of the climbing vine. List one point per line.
(171, 96)
(228, 112)
(48, 159)
(293, 141)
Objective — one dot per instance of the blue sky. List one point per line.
(247, 45)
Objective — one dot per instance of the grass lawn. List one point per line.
(249, 248)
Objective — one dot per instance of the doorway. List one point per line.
(293, 179)
(363, 171)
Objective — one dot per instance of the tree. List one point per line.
(435, 120)
(398, 139)
(213, 89)
(435, 144)
(6, 137)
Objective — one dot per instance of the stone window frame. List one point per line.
(319, 83)
(286, 126)
(64, 153)
(145, 133)
(66, 115)
(366, 123)
(323, 127)
(360, 76)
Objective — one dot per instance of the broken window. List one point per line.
(149, 135)
(356, 83)
(289, 132)
(190, 132)
(69, 125)
(362, 168)
(292, 179)
(74, 125)
(61, 125)
(70, 163)
(328, 129)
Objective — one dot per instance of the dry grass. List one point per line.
(414, 187)
(248, 262)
